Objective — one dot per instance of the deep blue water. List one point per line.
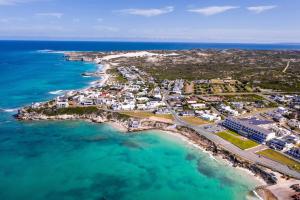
(78, 160)
(111, 46)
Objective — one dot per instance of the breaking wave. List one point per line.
(10, 110)
(57, 92)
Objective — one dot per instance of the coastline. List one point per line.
(262, 189)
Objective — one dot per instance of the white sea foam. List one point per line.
(50, 51)
(256, 196)
(11, 110)
(57, 92)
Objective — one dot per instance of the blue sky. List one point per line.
(249, 21)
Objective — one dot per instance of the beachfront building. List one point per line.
(250, 128)
(294, 152)
(134, 124)
(62, 102)
(276, 144)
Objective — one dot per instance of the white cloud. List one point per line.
(13, 2)
(12, 19)
(212, 10)
(54, 14)
(99, 19)
(148, 12)
(260, 9)
(106, 28)
(76, 20)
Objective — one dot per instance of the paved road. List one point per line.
(248, 155)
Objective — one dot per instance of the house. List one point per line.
(35, 105)
(142, 99)
(134, 124)
(210, 117)
(161, 111)
(156, 93)
(238, 105)
(127, 106)
(187, 113)
(154, 104)
(192, 100)
(141, 106)
(279, 118)
(196, 106)
(178, 85)
(294, 123)
(229, 110)
(62, 104)
(291, 139)
(87, 102)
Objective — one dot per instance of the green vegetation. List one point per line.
(70, 111)
(278, 157)
(118, 77)
(143, 114)
(237, 140)
(245, 97)
(254, 68)
(195, 120)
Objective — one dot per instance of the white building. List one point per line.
(198, 105)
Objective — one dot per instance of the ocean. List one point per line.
(81, 160)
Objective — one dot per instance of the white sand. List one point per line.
(131, 55)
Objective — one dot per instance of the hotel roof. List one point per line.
(256, 121)
(249, 124)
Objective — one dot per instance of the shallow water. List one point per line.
(79, 160)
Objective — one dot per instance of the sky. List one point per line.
(244, 21)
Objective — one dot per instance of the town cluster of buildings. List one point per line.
(134, 94)
(192, 107)
(141, 92)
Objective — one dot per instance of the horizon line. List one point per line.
(148, 41)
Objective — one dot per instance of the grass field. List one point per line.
(195, 120)
(278, 157)
(237, 140)
(143, 114)
(244, 97)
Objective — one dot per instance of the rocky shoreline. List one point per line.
(147, 124)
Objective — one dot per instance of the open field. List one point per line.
(189, 88)
(195, 120)
(144, 114)
(244, 97)
(278, 157)
(237, 140)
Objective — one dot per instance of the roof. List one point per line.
(256, 121)
(248, 123)
(278, 141)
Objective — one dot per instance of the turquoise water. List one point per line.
(29, 76)
(80, 160)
